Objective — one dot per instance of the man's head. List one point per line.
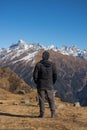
(45, 55)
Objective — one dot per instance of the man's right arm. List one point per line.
(54, 73)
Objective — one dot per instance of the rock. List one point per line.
(77, 104)
(15, 103)
(1, 102)
(26, 102)
(54, 92)
(21, 92)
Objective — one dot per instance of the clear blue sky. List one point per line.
(58, 22)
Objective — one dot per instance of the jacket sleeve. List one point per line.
(54, 73)
(35, 74)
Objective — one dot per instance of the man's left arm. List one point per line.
(35, 74)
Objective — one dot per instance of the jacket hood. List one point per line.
(46, 63)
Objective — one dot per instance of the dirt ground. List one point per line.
(20, 112)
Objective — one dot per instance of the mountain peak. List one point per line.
(22, 44)
(52, 47)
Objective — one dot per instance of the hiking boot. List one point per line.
(53, 115)
(41, 116)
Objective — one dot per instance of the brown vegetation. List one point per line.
(15, 114)
(11, 82)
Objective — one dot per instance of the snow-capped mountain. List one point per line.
(74, 51)
(19, 52)
(72, 71)
(21, 47)
(25, 46)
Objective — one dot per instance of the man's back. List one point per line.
(45, 70)
(45, 74)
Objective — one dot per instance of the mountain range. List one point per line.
(23, 46)
(71, 65)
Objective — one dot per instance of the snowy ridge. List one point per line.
(23, 51)
(26, 58)
(74, 51)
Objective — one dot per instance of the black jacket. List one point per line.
(45, 74)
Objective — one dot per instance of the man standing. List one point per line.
(45, 76)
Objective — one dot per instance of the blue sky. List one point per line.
(58, 22)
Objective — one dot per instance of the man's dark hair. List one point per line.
(45, 55)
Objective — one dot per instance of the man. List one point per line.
(45, 76)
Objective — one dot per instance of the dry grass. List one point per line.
(16, 115)
(11, 82)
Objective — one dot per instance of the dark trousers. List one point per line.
(50, 97)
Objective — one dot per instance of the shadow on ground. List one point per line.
(15, 115)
